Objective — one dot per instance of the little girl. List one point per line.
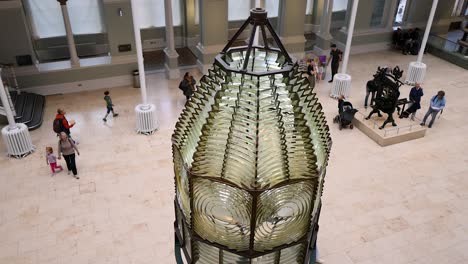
(52, 160)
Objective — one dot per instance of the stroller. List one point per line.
(346, 114)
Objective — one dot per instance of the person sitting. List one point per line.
(397, 38)
(415, 98)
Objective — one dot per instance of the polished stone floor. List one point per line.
(405, 203)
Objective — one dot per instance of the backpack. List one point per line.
(58, 125)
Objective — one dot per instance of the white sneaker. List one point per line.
(319, 261)
(68, 173)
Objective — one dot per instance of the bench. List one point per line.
(463, 46)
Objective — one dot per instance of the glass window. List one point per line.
(458, 7)
(272, 7)
(400, 12)
(151, 13)
(340, 5)
(47, 20)
(377, 13)
(238, 9)
(310, 6)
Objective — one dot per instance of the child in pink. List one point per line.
(52, 160)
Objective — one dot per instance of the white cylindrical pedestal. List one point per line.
(416, 72)
(341, 85)
(17, 140)
(147, 122)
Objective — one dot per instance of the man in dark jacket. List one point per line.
(64, 124)
(335, 58)
(415, 98)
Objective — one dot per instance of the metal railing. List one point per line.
(448, 45)
(389, 130)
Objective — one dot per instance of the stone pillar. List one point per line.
(213, 31)
(171, 55)
(291, 21)
(362, 24)
(313, 23)
(324, 37)
(365, 9)
(118, 19)
(74, 60)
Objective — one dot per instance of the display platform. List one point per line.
(405, 130)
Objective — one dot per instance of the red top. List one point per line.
(64, 121)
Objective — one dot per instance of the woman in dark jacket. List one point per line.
(187, 85)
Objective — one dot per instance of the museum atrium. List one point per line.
(233, 131)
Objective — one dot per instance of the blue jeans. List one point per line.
(432, 112)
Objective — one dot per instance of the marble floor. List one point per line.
(403, 204)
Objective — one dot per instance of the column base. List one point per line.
(172, 74)
(147, 122)
(17, 140)
(295, 45)
(203, 68)
(172, 64)
(323, 44)
(341, 85)
(416, 72)
(206, 56)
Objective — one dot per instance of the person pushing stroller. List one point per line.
(346, 113)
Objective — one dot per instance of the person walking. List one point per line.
(437, 104)
(109, 105)
(67, 148)
(51, 160)
(335, 58)
(187, 85)
(61, 123)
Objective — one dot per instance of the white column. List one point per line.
(6, 103)
(258, 4)
(428, 30)
(170, 45)
(349, 38)
(139, 52)
(74, 60)
(146, 120)
(417, 69)
(342, 81)
(172, 66)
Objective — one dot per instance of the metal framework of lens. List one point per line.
(250, 152)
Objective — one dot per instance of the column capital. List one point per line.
(62, 2)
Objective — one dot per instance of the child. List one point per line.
(52, 160)
(110, 108)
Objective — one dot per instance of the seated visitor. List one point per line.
(415, 98)
(397, 38)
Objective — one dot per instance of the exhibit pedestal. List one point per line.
(416, 72)
(405, 130)
(146, 119)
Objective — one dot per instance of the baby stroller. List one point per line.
(346, 114)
